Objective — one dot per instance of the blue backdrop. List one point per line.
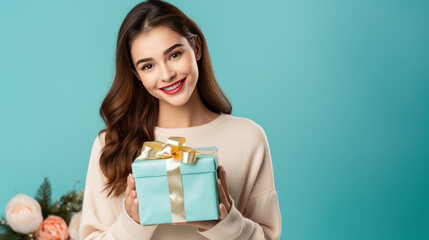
(340, 87)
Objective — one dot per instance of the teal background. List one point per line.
(340, 87)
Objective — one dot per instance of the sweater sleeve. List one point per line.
(101, 216)
(261, 217)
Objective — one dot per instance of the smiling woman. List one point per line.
(165, 86)
(172, 75)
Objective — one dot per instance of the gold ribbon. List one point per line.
(174, 152)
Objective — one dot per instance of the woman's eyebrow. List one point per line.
(165, 53)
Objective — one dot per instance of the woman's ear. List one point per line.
(197, 49)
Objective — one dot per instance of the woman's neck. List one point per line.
(193, 113)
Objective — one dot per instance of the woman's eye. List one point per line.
(147, 66)
(176, 54)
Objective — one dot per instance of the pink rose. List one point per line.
(53, 228)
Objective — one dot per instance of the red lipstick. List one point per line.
(174, 90)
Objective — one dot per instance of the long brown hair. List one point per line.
(129, 111)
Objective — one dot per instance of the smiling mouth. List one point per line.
(173, 86)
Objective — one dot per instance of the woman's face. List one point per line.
(166, 64)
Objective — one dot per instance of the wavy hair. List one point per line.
(129, 111)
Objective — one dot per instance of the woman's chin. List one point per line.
(175, 102)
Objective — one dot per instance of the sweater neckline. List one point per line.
(205, 126)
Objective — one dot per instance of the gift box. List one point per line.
(170, 190)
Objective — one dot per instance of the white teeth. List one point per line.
(173, 87)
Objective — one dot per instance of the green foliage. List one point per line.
(68, 204)
(43, 196)
(64, 207)
(6, 232)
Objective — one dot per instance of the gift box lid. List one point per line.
(157, 168)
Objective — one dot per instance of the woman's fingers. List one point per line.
(224, 183)
(131, 203)
(135, 211)
(222, 211)
(222, 195)
(129, 194)
(128, 189)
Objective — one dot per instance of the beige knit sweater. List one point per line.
(244, 152)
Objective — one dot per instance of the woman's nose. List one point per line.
(167, 73)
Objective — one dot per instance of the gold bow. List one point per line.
(174, 152)
(175, 148)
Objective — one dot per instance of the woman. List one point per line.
(165, 86)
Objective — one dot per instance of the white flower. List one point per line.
(23, 214)
(74, 226)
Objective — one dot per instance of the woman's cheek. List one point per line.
(149, 83)
(192, 65)
(186, 64)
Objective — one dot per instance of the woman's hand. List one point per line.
(131, 204)
(225, 202)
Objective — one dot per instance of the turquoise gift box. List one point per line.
(198, 183)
